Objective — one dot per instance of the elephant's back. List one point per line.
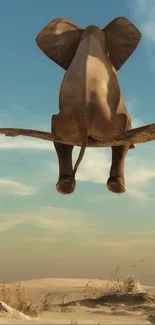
(90, 75)
(90, 89)
(73, 86)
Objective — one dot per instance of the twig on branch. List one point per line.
(139, 135)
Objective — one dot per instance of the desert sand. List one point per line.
(71, 306)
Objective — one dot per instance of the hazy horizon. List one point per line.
(90, 233)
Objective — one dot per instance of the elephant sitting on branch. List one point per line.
(91, 105)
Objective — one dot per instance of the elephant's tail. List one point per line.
(82, 117)
(82, 151)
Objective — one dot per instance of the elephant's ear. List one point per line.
(59, 41)
(122, 39)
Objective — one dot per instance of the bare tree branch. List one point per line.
(139, 135)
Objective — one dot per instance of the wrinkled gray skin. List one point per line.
(90, 102)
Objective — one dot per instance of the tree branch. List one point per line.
(139, 135)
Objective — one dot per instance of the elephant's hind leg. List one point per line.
(116, 181)
(66, 182)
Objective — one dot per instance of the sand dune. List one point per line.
(71, 306)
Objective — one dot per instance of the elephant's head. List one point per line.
(59, 40)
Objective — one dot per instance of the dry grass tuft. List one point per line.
(17, 299)
(113, 286)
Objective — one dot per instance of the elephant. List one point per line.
(91, 104)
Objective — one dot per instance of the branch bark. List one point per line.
(139, 135)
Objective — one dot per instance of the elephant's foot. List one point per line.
(66, 185)
(116, 184)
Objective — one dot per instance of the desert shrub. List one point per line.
(109, 287)
(18, 299)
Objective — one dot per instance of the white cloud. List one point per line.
(10, 186)
(59, 225)
(8, 143)
(63, 220)
(131, 105)
(145, 11)
(89, 232)
(8, 224)
(40, 239)
(140, 6)
(138, 174)
(142, 175)
(56, 212)
(100, 243)
(96, 165)
(58, 220)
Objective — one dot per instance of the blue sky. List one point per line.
(91, 232)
